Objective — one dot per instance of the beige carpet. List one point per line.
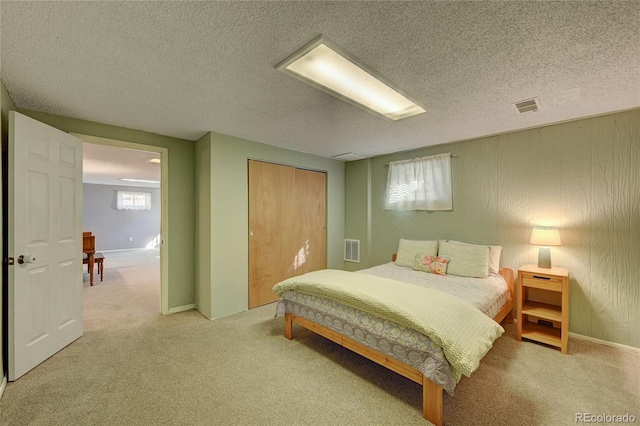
(129, 294)
(136, 367)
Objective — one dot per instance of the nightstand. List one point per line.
(543, 305)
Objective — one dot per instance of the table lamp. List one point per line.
(545, 237)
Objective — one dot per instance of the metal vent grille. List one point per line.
(530, 105)
(352, 250)
(347, 156)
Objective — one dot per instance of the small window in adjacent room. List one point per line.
(127, 200)
(420, 184)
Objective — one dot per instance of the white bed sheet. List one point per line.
(488, 294)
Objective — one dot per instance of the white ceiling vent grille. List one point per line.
(347, 156)
(352, 250)
(530, 105)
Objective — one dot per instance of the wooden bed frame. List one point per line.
(431, 392)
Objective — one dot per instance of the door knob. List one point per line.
(29, 258)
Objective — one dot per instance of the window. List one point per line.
(420, 184)
(133, 200)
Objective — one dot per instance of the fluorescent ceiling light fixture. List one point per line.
(140, 180)
(154, 161)
(328, 67)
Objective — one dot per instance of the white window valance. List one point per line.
(420, 184)
(127, 200)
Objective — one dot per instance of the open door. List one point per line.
(45, 245)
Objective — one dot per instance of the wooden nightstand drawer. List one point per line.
(542, 282)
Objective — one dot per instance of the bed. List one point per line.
(434, 342)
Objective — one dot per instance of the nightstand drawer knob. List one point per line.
(541, 278)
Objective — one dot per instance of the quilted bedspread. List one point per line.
(464, 332)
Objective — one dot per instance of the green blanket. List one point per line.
(464, 332)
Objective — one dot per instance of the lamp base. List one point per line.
(544, 257)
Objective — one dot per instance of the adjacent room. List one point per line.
(294, 212)
(121, 216)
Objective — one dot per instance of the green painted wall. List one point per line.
(6, 105)
(581, 176)
(229, 216)
(203, 225)
(181, 195)
(357, 209)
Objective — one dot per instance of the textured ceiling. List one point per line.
(107, 165)
(185, 68)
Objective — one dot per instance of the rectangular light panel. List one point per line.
(326, 66)
(140, 180)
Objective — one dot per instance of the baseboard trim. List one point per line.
(603, 342)
(3, 385)
(596, 340)
(183, 308)
(128, 249)
(203, 314)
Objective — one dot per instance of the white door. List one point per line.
(45, 228)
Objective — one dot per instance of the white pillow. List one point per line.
(408, 249)
(494, 255)
(465, 260)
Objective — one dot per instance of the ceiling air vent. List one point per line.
(530, 105)
(347, 156)
(352, 250)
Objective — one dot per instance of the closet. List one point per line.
(287, 226)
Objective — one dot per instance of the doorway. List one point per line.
(130, 153)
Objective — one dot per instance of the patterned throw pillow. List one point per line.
(431, 264)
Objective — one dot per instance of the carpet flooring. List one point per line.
(134, 366)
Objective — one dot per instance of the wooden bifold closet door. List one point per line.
(287, 226)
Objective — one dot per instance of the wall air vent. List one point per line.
(352, 251)
(530, 105)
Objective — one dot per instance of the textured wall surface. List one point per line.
(111, 227)
(582, 176)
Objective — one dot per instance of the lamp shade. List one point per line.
(545, 237)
